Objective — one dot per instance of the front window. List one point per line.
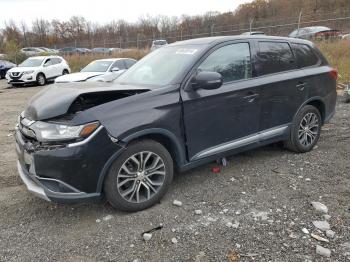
(231, 61)
(97, 66)
(162, 66)
(32, 62)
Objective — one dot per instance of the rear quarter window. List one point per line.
(305, 56)
(275, 57)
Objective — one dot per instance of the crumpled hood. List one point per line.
(55, 100)
(77, 77)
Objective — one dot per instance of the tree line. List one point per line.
(77, 31)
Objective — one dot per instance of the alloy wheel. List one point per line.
(308, 129)
(41, 80)
(141, 177)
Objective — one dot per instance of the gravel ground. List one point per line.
(254, 209)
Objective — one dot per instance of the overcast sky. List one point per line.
(102, 11)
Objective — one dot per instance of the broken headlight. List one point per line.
(46, 131)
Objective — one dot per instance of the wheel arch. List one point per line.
(162, 136)
(318, 103)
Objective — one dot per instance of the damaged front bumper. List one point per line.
(68, 173)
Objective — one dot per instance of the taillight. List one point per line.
(334, 74)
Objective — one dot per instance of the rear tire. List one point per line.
(41, 79)
(305, 130)
(65, 72)
(139, 177)
(347, 96)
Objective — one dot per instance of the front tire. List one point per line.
(65, 72)
(305, 130)
(41, 79)
(139, 177)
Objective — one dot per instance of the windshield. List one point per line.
(32, 62)
(161, 66)
(97, 66)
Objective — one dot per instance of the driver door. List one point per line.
(49, 69)
(221, 119)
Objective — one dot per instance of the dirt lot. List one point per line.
(256, 207)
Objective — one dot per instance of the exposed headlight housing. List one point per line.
(47, 132)
(28, 72)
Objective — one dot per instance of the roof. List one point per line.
(218, 39)
(113, 59)
(47, 56)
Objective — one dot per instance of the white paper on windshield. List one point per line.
(186, 51)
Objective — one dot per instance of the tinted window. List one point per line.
(231, 61)
(56, 61)
(48, 62)
(120, 64)
(275, 57)
(305, 56)
(129, 63)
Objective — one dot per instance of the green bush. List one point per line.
(13, 52)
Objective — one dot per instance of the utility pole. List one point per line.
(250, 25)
(138, 38)
(300, 14)
(212, 29)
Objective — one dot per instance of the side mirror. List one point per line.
(115, 69)
(207, 80)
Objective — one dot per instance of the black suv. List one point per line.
(181, 106)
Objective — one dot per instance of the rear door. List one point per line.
(280, 82)
(218, 120)
(57, 66)
(49, 68)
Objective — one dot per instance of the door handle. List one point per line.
(301, 86)
(251, 98)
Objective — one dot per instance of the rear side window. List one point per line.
(275, 57)
(120, 64)
(305, 56)
(56, 61)
(231, 61)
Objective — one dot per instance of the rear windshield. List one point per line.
(305, 56)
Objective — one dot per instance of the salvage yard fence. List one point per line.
(278, 27)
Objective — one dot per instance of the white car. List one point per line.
(37, 70)
(32, 51)
(103, 70)
(158, 44)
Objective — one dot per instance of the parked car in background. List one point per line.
(315, 33)
(253, 33)
(158, 44)
(32, 51)
(101, 50)
(189, 103)
(84, 50)
(103, 70)
(4, 67)
(37, 70)
(73, 50)
(345, 37)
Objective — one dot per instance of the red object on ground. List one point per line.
(215, 170)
